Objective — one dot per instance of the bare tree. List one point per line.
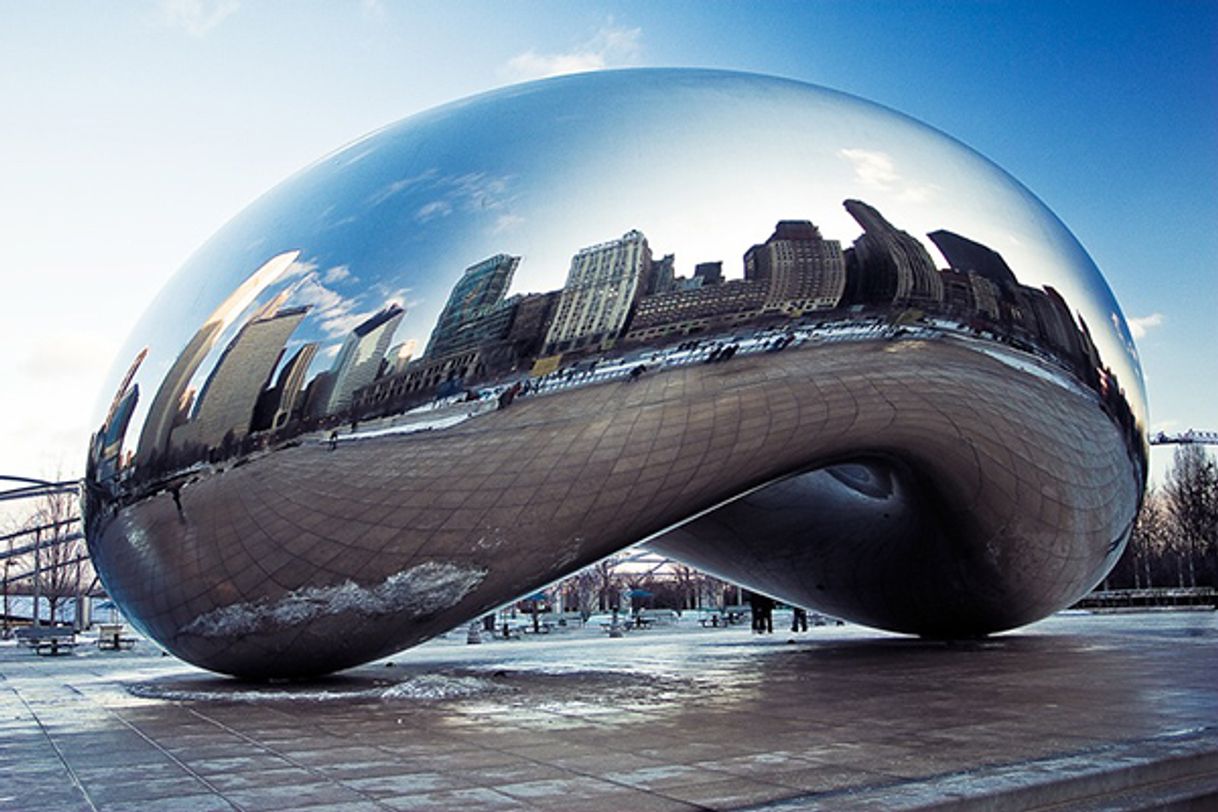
(1150, 541)
(63, 571)
(1191, 495)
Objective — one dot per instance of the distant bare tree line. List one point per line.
(1175, 538)
(64, 569)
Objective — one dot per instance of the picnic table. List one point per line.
(110, 638)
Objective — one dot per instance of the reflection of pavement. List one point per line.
(1097, 710)
(512, 499)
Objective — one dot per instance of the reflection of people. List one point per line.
(508, 395)
(799, 620)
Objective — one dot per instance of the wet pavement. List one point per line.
(1075, 712)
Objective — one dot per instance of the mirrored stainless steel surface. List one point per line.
(786, 335)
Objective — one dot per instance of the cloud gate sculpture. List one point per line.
(784, 335)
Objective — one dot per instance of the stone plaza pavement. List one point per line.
(1075, 712)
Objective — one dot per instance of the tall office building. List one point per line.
(360, 357)
(164, 409)
(602, 286)
(225, 405)
(803, 270)
(288, 388)
(891, 267)
(480, 289)
(963, 254)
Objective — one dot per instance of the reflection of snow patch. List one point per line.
(423, 589)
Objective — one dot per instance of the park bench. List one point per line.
(48, 640)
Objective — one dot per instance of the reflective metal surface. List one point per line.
(794, 338)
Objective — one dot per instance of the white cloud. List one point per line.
(1139, 325)
(611, 46)
(878, 170)
(436, 208)
(506, 222)
(336, 274)
(197, 17)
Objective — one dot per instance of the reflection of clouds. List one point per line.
(398, 186)
(337, 274)
(331, 309)
(1125, 338)
(878, 170)
(436, 208)
(506, 222)
(610, 46)
(445, 194)
(333, 313)
(299, 268)
(1139, 325)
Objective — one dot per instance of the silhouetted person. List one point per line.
(763, 613)
(799, 620)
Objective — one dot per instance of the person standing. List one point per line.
(799, 619)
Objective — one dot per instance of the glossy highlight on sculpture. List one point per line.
(779, 333)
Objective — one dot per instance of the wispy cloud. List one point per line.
(432, 210)
(877, 169)
(611, 46)
(197, 17)
(1140, 325)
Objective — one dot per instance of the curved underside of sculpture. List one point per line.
(349, 456)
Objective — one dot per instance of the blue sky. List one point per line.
(130, 132)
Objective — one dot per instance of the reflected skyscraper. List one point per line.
(602, 286)
(167, 403)
(891, 266)
(803, 271)
(480, 289)
(284, 401)
(360, 358)
(224, 409)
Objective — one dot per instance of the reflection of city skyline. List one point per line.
(617, 295)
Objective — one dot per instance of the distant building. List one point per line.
(602, 286)
(963, 254)
(479, 290)
(530, 324)
(662, 277)
(887, 266)
(399, 356)
(696, 310)
(802, 270)
(505, 349)
(359, 360)
(282, 402)
(224, 408)
(709, 273)
(163, 413)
